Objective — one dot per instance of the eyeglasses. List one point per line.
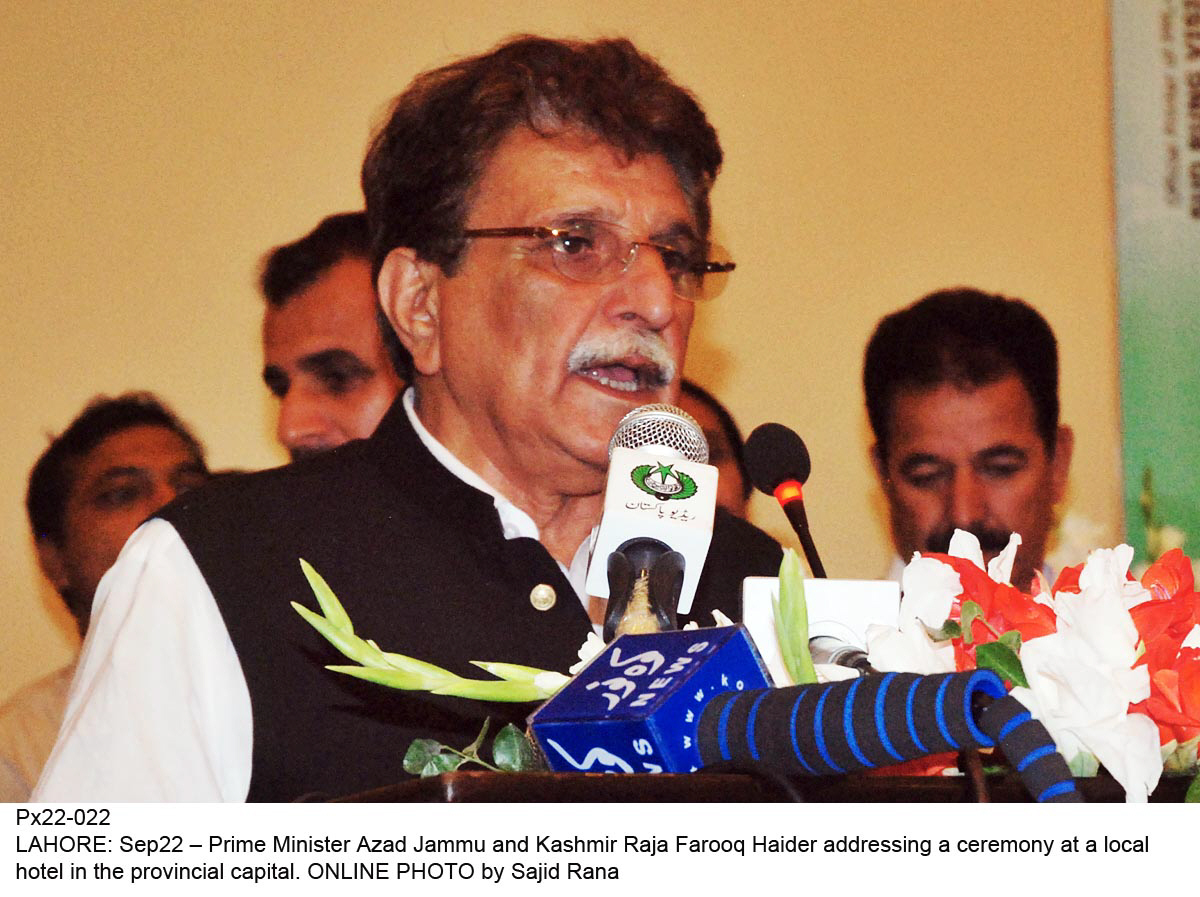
(592, 251)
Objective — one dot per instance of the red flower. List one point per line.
(1068, 580)
(1005, 608)
(931, 765)
(1163, 626)
(1170, 575)
(1174, 702)
(1163, 623)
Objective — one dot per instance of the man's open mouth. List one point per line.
(625, 376)
(628, 362)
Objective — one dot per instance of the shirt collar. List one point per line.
(514, 522)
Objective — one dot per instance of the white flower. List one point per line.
(965, 545)
(591, 646)
(929, 588)
(550, 682)
(908, 649)
(719, 619)
(1000, 568)
(834, 672)
(1081, 682)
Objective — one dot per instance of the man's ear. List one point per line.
(53, 565)
(408, 295)
(1060, 464)
(879, 464)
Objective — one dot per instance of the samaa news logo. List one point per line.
(663, 481)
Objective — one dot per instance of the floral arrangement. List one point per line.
(1108, 663)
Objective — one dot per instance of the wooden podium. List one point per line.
(726, 787)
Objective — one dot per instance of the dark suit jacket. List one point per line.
(418, 559)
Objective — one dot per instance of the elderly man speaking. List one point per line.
(539, 218)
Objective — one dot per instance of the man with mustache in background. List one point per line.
(539, 218)
(962, 394)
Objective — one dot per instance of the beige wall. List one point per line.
(875, 151)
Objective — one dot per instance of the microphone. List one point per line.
(654, 534)
(661, 429)
(827, 649)
(840, 613)
(779, 465)
(677, 701)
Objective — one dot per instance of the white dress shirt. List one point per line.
(29, 724)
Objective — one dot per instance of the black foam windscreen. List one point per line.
(1030, 750)
(847, 726)
(876, 721)
(775, 454)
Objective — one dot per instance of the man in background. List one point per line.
(726, 448)
(962, 394)
(324, 353)
(117, 463)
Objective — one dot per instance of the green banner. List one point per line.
(1156, 122)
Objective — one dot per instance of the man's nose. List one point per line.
(646, 292)
(302, 423)
(968, 499)
(164, 493)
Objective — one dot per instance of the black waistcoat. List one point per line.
(419, 560)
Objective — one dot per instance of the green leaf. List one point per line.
(1182, 760)
(791, 621)
(971, 611)
(515, 685)
(1193, 792)
(1002, 660)
(950, 629)
(330, 606)
(498, 690)
(440, 763)
(412, 665)
(472, 749)
(1012, 638)
(402, 680)
(512, 752)
(346, 643)
(419, 753)
(510, 672)
(781, 634)
(1084, 765)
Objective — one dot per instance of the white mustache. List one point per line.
(600, 351)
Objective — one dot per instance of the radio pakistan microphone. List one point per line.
(659, 504)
